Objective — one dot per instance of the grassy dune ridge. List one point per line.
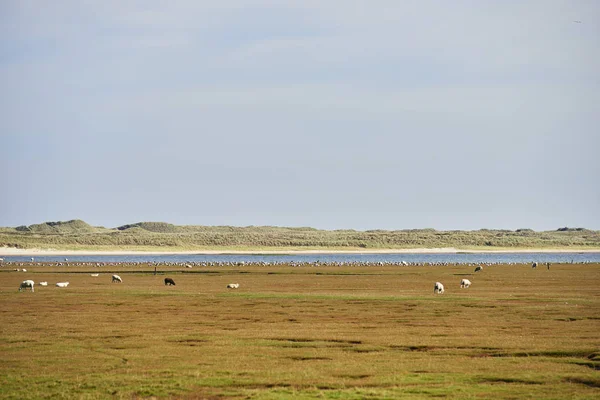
(77, 234)
(301, 332)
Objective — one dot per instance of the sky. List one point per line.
(333, 114)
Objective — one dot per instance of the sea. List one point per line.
(418, 258)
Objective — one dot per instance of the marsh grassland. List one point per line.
(368, 332)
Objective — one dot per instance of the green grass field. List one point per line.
(370, 332)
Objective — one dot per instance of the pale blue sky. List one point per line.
(332, 113)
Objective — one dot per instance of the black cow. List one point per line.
(169, 281)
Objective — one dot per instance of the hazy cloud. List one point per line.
(333, 114)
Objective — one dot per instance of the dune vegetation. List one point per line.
(77, 235)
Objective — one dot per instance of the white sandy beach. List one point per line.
(10, 251)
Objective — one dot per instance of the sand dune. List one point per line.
(10, 251)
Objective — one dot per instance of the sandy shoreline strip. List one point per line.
(9, 251)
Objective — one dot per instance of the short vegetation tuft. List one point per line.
(158, 227)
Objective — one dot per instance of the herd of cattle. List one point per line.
(438, 288)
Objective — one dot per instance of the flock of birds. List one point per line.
(201, 264)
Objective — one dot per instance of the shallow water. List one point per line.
(421, 258)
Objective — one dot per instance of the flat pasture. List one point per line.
(351, 332)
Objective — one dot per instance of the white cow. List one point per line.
(233, 286)
(117, 278)
(438, 288)
(24, 270)
(62, 284)
(43, 283)
(479, 268)
(27, 284)
(465, 283)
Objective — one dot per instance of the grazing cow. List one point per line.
(438, 288)
(534, 265)
(465, 283)
(62, 284)
(233, 286)
(27, 284)
(479, 268)
(169, 281)
(43, 283)
(117, 278)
